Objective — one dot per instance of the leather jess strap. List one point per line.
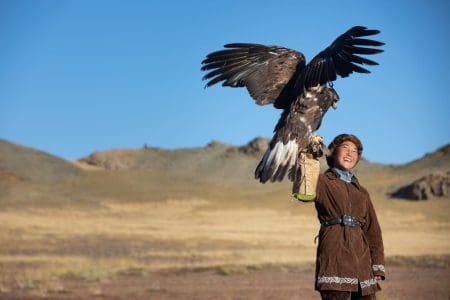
(345, 220)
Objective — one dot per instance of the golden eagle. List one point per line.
(304, 92)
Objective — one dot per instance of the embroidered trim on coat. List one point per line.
(335, 279)
(378, 268)
(367, 283)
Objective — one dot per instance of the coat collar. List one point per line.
(344, 175)
(332, 175)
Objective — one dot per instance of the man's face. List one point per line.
(346, 156)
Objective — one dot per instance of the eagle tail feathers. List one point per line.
(277, 162)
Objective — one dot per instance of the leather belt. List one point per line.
(345, 220)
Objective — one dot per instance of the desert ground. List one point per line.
(187, 249)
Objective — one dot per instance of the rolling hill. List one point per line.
(216, 170)
(27, 164)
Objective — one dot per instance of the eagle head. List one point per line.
(335, 99)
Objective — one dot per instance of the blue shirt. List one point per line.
(344, 175)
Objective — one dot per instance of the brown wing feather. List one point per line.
(264, 70)
(340, 58)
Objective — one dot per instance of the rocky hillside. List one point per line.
(214, 161)
(31, 175)
(427, 187)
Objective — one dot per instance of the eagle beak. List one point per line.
(334, 104)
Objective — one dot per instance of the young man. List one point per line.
(350, 254)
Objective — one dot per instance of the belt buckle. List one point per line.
(348, 220)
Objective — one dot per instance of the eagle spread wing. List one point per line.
(278, 75)
(264, 70)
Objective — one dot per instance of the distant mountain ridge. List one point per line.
(31, 172)
(130, 158)
(151, 158)
(438, 159)
(215, 160)
(32, 164)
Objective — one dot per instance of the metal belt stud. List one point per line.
(345, 220)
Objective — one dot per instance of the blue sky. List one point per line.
(83, 76)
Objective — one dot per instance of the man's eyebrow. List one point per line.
(349, 146)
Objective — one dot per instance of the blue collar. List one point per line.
(344, 175)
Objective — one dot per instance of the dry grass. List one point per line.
(41, 247)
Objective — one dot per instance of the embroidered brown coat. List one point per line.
(348, 258)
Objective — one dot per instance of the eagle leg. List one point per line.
(316, 146)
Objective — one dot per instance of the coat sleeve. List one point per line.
(373, 235)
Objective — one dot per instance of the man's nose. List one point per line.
(348, 152)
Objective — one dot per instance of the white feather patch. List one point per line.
(281, 156)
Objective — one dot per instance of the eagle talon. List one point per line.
(317, 139)
(316, 146)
